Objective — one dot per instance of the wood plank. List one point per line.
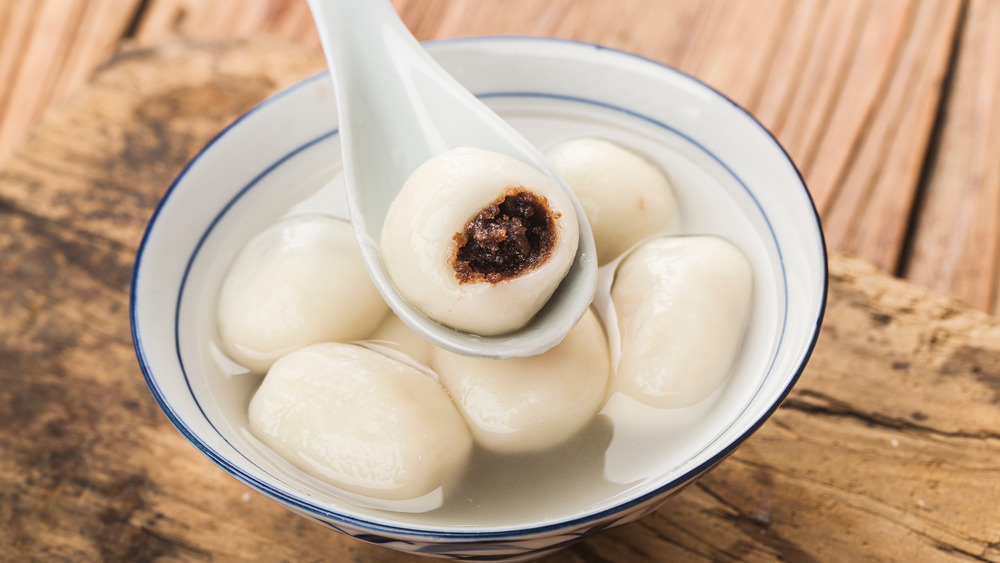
(853, 99)
(16, 23)
(40, 58)
(135, 164)
(220, 19)
(957, 242)
(886, 450)
(869, 214)
(47, 48)
(836, 81)
(836, 37)
(97, 33)
(850, 88)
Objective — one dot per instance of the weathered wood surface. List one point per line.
(890, 107)
(956, 246)
(888, 448)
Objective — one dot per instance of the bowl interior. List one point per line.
(731, 178)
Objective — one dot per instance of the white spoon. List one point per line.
(398, 108)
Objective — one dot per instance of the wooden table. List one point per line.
(887, 449)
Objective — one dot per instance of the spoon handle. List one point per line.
(397, 106)
(363, 42)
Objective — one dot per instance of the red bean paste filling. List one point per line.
(506, 239)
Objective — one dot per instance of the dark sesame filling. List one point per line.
(506, 239)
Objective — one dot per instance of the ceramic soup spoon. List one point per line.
(398, 108)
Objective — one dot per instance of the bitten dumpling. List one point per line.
(364, 422)
(298, 282)
(479, 241)
(682, 305)
(529, 404)
(626, 198)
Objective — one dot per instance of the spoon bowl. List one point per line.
(398, 108)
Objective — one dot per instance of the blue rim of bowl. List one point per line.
(470, 535)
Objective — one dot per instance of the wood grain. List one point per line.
(886, 450)
(956, 246)
(48, 48)
(166, 19)
(98, 193)
(852, 88)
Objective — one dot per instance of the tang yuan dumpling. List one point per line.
(479, 241)
(682, 305)
(364, 422)
(394, 334)
(626, 198)
(529, 404)
(298, 282)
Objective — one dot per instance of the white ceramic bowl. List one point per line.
(731, 177)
